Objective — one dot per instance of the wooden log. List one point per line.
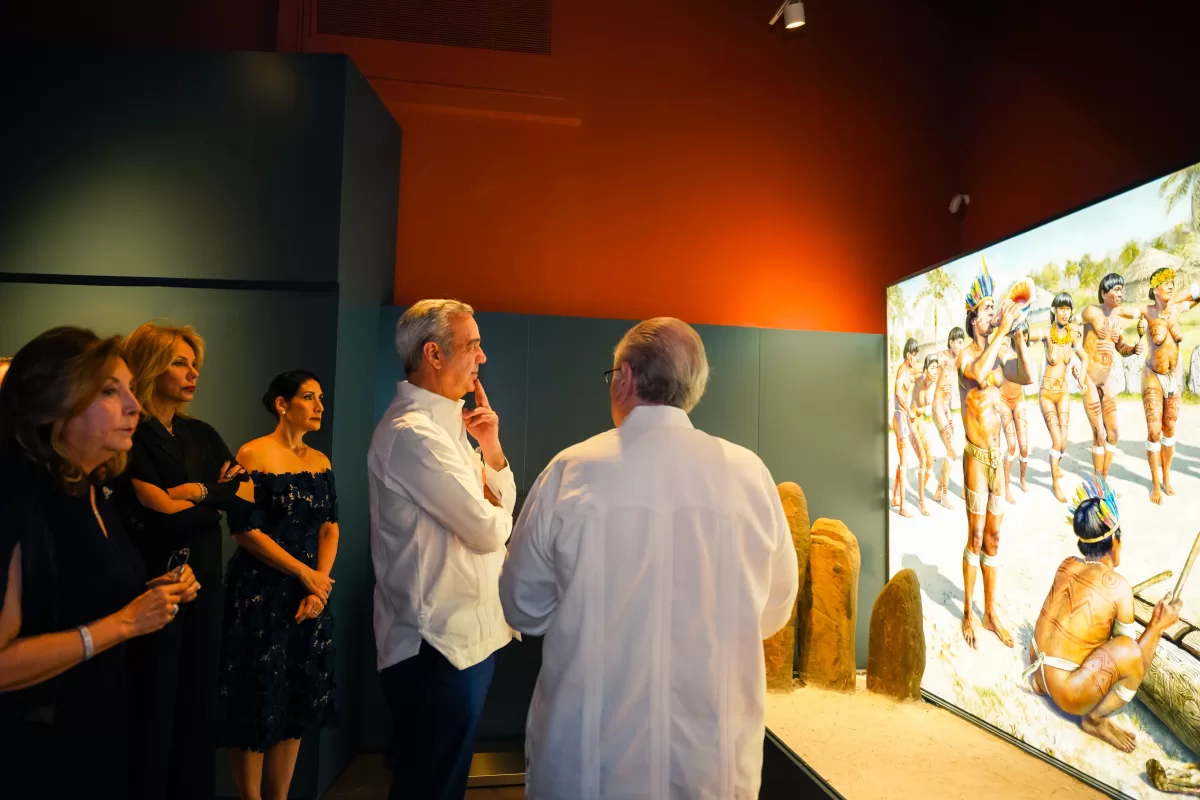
(1191, 643)
(1177, 632)
(1171, 690)
(1143, 609)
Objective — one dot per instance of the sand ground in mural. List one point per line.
(1035, 538)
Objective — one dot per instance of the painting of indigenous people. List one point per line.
(1044, 472)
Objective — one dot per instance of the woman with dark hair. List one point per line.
(183, 476)
(277, 658)
(74, 589)
(1162, 376)
(1061, 341)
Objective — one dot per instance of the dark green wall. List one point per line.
(221, 166)
(366, 272)
(806, 402)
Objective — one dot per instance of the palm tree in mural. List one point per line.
(897, 315)
(1049, 277)
(1090, 272)
(1129, 254)
(1071, 272)
(939, 293)
(1175, 187)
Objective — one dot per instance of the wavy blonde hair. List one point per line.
(149, 350)
(52, 380)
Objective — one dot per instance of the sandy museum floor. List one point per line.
(871, 747)
(1035, 538)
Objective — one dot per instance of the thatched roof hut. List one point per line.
(1137, 275)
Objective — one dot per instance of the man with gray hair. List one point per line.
(441, 513)
(655, 559)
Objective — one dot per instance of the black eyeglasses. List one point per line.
(608, 375)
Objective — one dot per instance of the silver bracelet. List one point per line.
(88, 648)
(203, 493)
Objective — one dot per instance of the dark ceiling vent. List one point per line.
(518, 26)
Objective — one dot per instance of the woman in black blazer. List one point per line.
(183, 476)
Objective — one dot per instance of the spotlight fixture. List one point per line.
(792, 12)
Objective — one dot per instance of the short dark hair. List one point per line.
(929, 359)
(286, 385)
(1088, 524)
(955, 334)
(969, 324)
(1062, 299)
(1109, 282)
(910, 348)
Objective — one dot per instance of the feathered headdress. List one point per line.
(981, 289)
(1098, 488)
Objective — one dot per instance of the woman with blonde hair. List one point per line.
(73, 590)
(183, 476)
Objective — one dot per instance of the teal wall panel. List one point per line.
(366, 271)
(186, 165)
(568, 399)
(729, 408)
(505, 339)
(822, 427)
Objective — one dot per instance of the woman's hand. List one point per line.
(310, 608)
(153, 609)
(317, 583)
(230, 470)
(185, 579)
(190, 492)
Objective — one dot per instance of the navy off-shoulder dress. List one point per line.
(277, 674)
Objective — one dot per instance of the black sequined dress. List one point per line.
(277, 674)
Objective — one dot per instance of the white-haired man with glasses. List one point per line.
(441, 513)
(654, 559)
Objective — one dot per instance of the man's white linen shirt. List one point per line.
(437, 543)
(655, 559)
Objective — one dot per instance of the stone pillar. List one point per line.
(896, 656)
(780, 649)
(826, 646)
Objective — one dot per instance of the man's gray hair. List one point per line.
(427, 321)
(668, 362)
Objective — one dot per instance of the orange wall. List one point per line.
(721, 172)
(730, 174)
(1066, 102)
(718, 170)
